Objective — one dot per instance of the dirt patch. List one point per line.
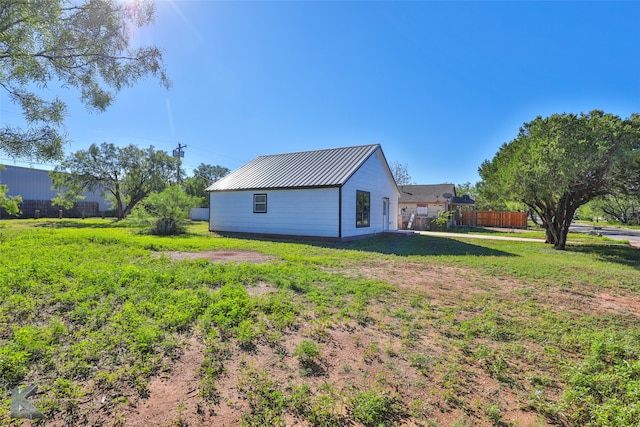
(617, 303)
(404, 347)
(260, 288)
(442, 282)
(221, 256)
(173, 398)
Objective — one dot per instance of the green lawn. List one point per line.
(91, 311)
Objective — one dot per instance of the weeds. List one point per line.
(372, 408)
(266, 400)
(98, 311)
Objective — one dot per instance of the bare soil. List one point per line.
(369, 354)
(221, 256)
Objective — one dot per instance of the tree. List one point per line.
(80, 44)
(472, 191)
(558, 163)
(467, 188)
(203, 176)
(165, 212)
(11, 204)
(400, 173)
(618, 207)
(127, 174)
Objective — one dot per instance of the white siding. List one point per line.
(374, 177)
(199, 214)
(305, 212)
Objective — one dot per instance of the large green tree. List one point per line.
(203, 176)
(127, 175)
(558, 163)
(80, 44)
(619, 207)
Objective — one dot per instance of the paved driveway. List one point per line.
(633, 236)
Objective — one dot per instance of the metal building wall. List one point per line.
(35, 184)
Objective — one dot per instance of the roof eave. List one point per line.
(307, 187)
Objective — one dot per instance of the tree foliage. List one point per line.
(11, 204)
(203, 176)
(472, 191)
(618, 207)
(127, 175)
(558, 163)
(165, 212)
(400, 173)
(80, 44)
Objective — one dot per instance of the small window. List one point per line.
(363, 208)
(259, 203)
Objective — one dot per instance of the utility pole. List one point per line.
(179, 154)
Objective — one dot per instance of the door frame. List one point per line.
(385, 214)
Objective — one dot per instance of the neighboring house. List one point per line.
(337, 194)
(34, 186)
(424, 202)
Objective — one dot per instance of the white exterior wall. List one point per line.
(199, 214)
(300, 212)
(374, 177)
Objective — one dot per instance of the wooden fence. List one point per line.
(494, 219)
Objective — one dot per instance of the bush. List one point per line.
(165, 213)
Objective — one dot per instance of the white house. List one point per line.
(338, 194)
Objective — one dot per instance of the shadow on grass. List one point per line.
(616, 253)
(391, 244)
(78, 223)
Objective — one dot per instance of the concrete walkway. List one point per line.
(476, 236)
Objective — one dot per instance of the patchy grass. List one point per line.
(384, 331)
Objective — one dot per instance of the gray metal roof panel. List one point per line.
(306, 169)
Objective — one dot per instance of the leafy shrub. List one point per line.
(443, 218)
(247, 333)
(307, 352)
(371, 408)
(168, 211)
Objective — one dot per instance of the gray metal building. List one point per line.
(34, 186)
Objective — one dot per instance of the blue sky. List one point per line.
(440, 85)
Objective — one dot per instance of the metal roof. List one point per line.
(426, 193)
(307, 169)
